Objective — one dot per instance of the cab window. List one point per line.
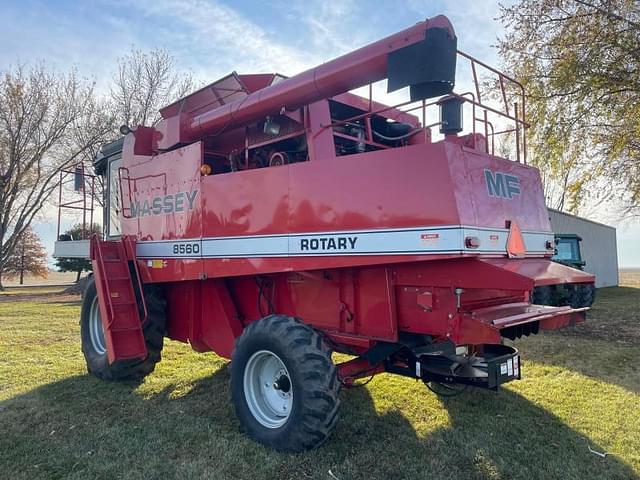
(567, 250)
(113, 201)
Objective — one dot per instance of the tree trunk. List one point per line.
(78, 276)
(22, 265)
(2, 233)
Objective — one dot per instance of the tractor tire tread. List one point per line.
(153, 331)
(315, 373)
(582, 295)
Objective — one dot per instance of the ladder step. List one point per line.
(129, 329)
(124, 334)
(121, 295)
(124, 303)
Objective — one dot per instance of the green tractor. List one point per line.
(576, 295)
(568, 250)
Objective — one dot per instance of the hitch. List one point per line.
(490, 368)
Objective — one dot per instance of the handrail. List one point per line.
(72, 204)
(120, 189)
(127, 240)
(476, 101)
(95, 247)
(501, 77)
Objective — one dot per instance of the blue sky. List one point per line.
(210, 38)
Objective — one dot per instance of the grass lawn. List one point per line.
(580, 389)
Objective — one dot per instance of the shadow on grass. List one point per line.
(83, 428)
(489, 435)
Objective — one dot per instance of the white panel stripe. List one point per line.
(169, 249)
(245, 247)
(414, 241)
(536, 242)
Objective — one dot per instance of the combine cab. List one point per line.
(276, 220)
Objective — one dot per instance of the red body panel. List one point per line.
(374, 303)
(433, 185)
(403, 237)
(543, 272)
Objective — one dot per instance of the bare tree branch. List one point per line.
(47, 122)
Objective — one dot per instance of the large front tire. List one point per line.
(284, 385)
(93, 341)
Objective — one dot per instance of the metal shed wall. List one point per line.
(599, 246)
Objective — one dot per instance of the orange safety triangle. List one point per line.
(515, 242)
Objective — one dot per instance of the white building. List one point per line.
(598, 247)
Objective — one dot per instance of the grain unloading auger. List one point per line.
(275, 220)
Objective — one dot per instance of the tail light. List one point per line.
(472, 242)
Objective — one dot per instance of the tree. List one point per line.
(47, 122)
(579, 63)
(144, 83)
(29, 256)
(78, 265)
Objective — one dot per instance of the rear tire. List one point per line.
(94, 345)
(284, 385)
(582, 295)
(542, 295)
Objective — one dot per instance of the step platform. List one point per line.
(117, 300)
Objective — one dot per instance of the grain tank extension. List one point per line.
(277, 220)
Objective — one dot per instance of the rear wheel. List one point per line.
(94, 345)
(582, 295)
(284, 385)
(542, 295)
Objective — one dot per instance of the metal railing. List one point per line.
(84, 186)
(515, 113)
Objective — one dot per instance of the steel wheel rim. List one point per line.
(268, 389)
(96, 331)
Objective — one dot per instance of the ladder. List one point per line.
(117, 299)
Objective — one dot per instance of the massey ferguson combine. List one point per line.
(277, 220)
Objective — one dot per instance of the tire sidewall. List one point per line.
(96, 362)
(244, 350)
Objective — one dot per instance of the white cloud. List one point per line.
(475, 22)
(332, 28)
(223, 39)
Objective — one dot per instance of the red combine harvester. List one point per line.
(276, 220)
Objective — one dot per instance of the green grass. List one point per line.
(581, 388)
